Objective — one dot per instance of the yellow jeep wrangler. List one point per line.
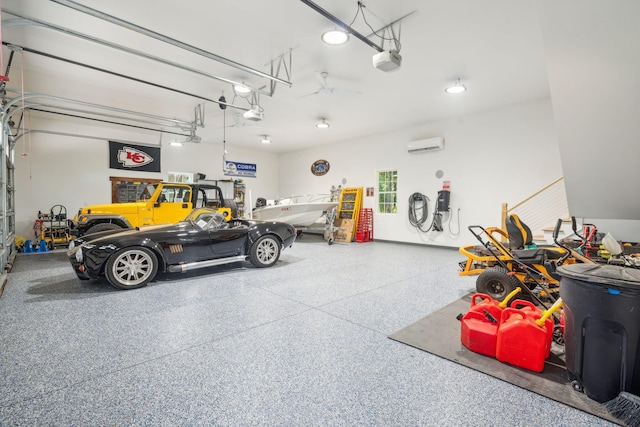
(161, 203)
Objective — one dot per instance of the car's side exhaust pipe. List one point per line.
(181, 268)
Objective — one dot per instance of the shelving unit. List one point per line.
(348, 213)
(124, 189)
(350, 203)
(239, 190)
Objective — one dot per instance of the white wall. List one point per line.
(54, 169)
(590, 47)
(490, 158)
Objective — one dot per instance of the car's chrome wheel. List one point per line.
(131, 268)
(265, 252)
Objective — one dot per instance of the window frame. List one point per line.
(387, 191)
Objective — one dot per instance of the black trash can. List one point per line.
(602, 328)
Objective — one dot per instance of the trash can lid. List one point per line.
(602, 273)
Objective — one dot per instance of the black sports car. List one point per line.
(130, 259)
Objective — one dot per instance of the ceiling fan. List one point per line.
(238, 122)
(325, 89)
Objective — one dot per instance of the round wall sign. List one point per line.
(320, 167)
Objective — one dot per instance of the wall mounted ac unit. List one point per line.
(429, 144)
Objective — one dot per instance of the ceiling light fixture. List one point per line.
(265, 140)
(457, 87)
(341, 24)
(323, 124)
(335, 37)
(176, 143)
(241, 89)
(386, 59)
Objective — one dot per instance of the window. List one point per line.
(174, 194)
(388, 191)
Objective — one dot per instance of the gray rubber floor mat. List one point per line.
(439, 334)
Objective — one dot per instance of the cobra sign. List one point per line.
(240, 169)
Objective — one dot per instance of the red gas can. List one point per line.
(525, 305)
(534, 312)
(479, 327)
(478, 334)
(483, 303)
(521, 341)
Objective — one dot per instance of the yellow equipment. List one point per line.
(349, 209)
(53, 227)
(502, 268)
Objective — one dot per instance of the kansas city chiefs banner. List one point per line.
(134, 157)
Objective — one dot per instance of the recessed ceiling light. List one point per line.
(176, 144)
(457, 87)
(265, 140)
(323, 124)
(335, 37)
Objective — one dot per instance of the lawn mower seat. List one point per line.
(519, 233)
(521, 239)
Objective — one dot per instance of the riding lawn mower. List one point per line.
(501, 267)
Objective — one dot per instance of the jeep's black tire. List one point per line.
(231, 204)
(103, 226)
(497, 283)
(131, 268)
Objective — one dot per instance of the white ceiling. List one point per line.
(495, 46)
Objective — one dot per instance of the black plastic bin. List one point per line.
(602, 328)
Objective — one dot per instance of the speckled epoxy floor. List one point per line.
(302, 343)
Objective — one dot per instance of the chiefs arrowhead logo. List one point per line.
(132, 158)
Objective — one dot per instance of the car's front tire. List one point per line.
(265, 252)
(131, 268)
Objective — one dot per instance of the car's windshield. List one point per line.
(207, 219)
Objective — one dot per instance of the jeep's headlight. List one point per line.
(79, 254)
(82, 218)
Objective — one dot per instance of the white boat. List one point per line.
(299, 211)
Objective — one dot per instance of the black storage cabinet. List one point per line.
(602, 328)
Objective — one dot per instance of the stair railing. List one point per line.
(541, 209)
